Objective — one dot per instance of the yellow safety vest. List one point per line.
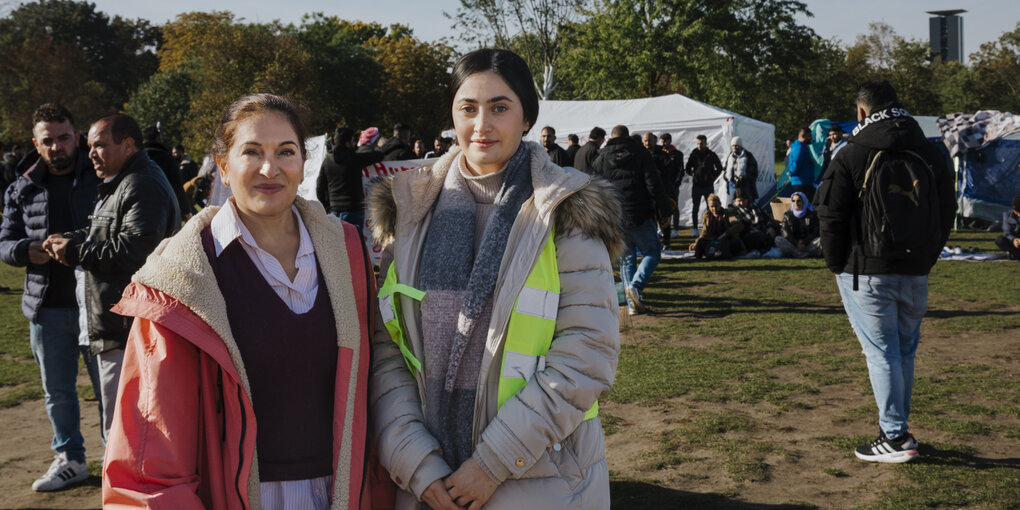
(529, 334)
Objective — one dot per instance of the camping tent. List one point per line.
(682, 117)
(988, 178)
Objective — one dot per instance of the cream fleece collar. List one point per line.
(179, 268)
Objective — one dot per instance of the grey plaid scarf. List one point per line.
(459, 287)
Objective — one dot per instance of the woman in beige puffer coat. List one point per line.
(461, 448)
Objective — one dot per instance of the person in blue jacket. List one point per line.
(801, 166)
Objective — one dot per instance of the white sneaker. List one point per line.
(636, 305)
(62, 473)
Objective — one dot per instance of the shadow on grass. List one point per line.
(634, 494)
(720, 306)
(949, 314)
(951, 457)
(715, 266)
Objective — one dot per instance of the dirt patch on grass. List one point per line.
(808, 460)
(25, 455)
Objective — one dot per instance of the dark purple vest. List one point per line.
(290, 360)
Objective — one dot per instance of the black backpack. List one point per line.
(898, 207)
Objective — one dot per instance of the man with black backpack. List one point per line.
(886, 208)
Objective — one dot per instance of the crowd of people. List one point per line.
(255, 354)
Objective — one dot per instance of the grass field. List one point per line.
(749, 342)
(745, 388)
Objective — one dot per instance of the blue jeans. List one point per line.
(54, 339)
(886, 314)
(356, 218)
(646, 239)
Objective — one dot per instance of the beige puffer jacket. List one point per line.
(538, 443)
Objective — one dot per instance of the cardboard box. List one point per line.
(779, 207)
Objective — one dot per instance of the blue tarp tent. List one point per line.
(988, 178)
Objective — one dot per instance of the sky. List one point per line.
(984, 20)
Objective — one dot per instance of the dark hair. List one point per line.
(342, 135)
(151, 134)
(400, 127)
(703, 138)
(1016, 203)
(835, 128)
(741, 193)
(876, 93)
(250, 106)
(51, 112)
(121, 127)
(573, 138)
(507, 65)
(803, 131)
(550, 129)
(620, 131)
(666, 137)
(178, 147)
(596, 133)
(650, 134)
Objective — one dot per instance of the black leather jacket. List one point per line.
(134, 212)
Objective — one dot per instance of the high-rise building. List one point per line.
(945, 29)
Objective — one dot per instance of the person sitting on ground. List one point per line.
(800, 237)
(715, 240)
(1009, 241)
(748, 223)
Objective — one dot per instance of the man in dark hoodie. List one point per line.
(885, 297)
(398, 148)
(630, 168)
(339, 186)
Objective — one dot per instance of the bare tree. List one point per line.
(529, 27)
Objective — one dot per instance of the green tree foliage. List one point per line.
(996, 68)
(69, 52)
(165, 99)
(413, 83)
(224, 60)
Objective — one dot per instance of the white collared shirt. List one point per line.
(299, 295)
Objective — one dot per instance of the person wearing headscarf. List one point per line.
(800, 237)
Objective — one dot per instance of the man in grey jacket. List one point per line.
(136, 209)
(53, 193)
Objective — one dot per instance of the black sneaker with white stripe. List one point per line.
(891, 451)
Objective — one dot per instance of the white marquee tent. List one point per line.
(682, 117)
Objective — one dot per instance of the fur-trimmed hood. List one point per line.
(579, 201)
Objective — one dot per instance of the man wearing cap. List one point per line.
(741, 171)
